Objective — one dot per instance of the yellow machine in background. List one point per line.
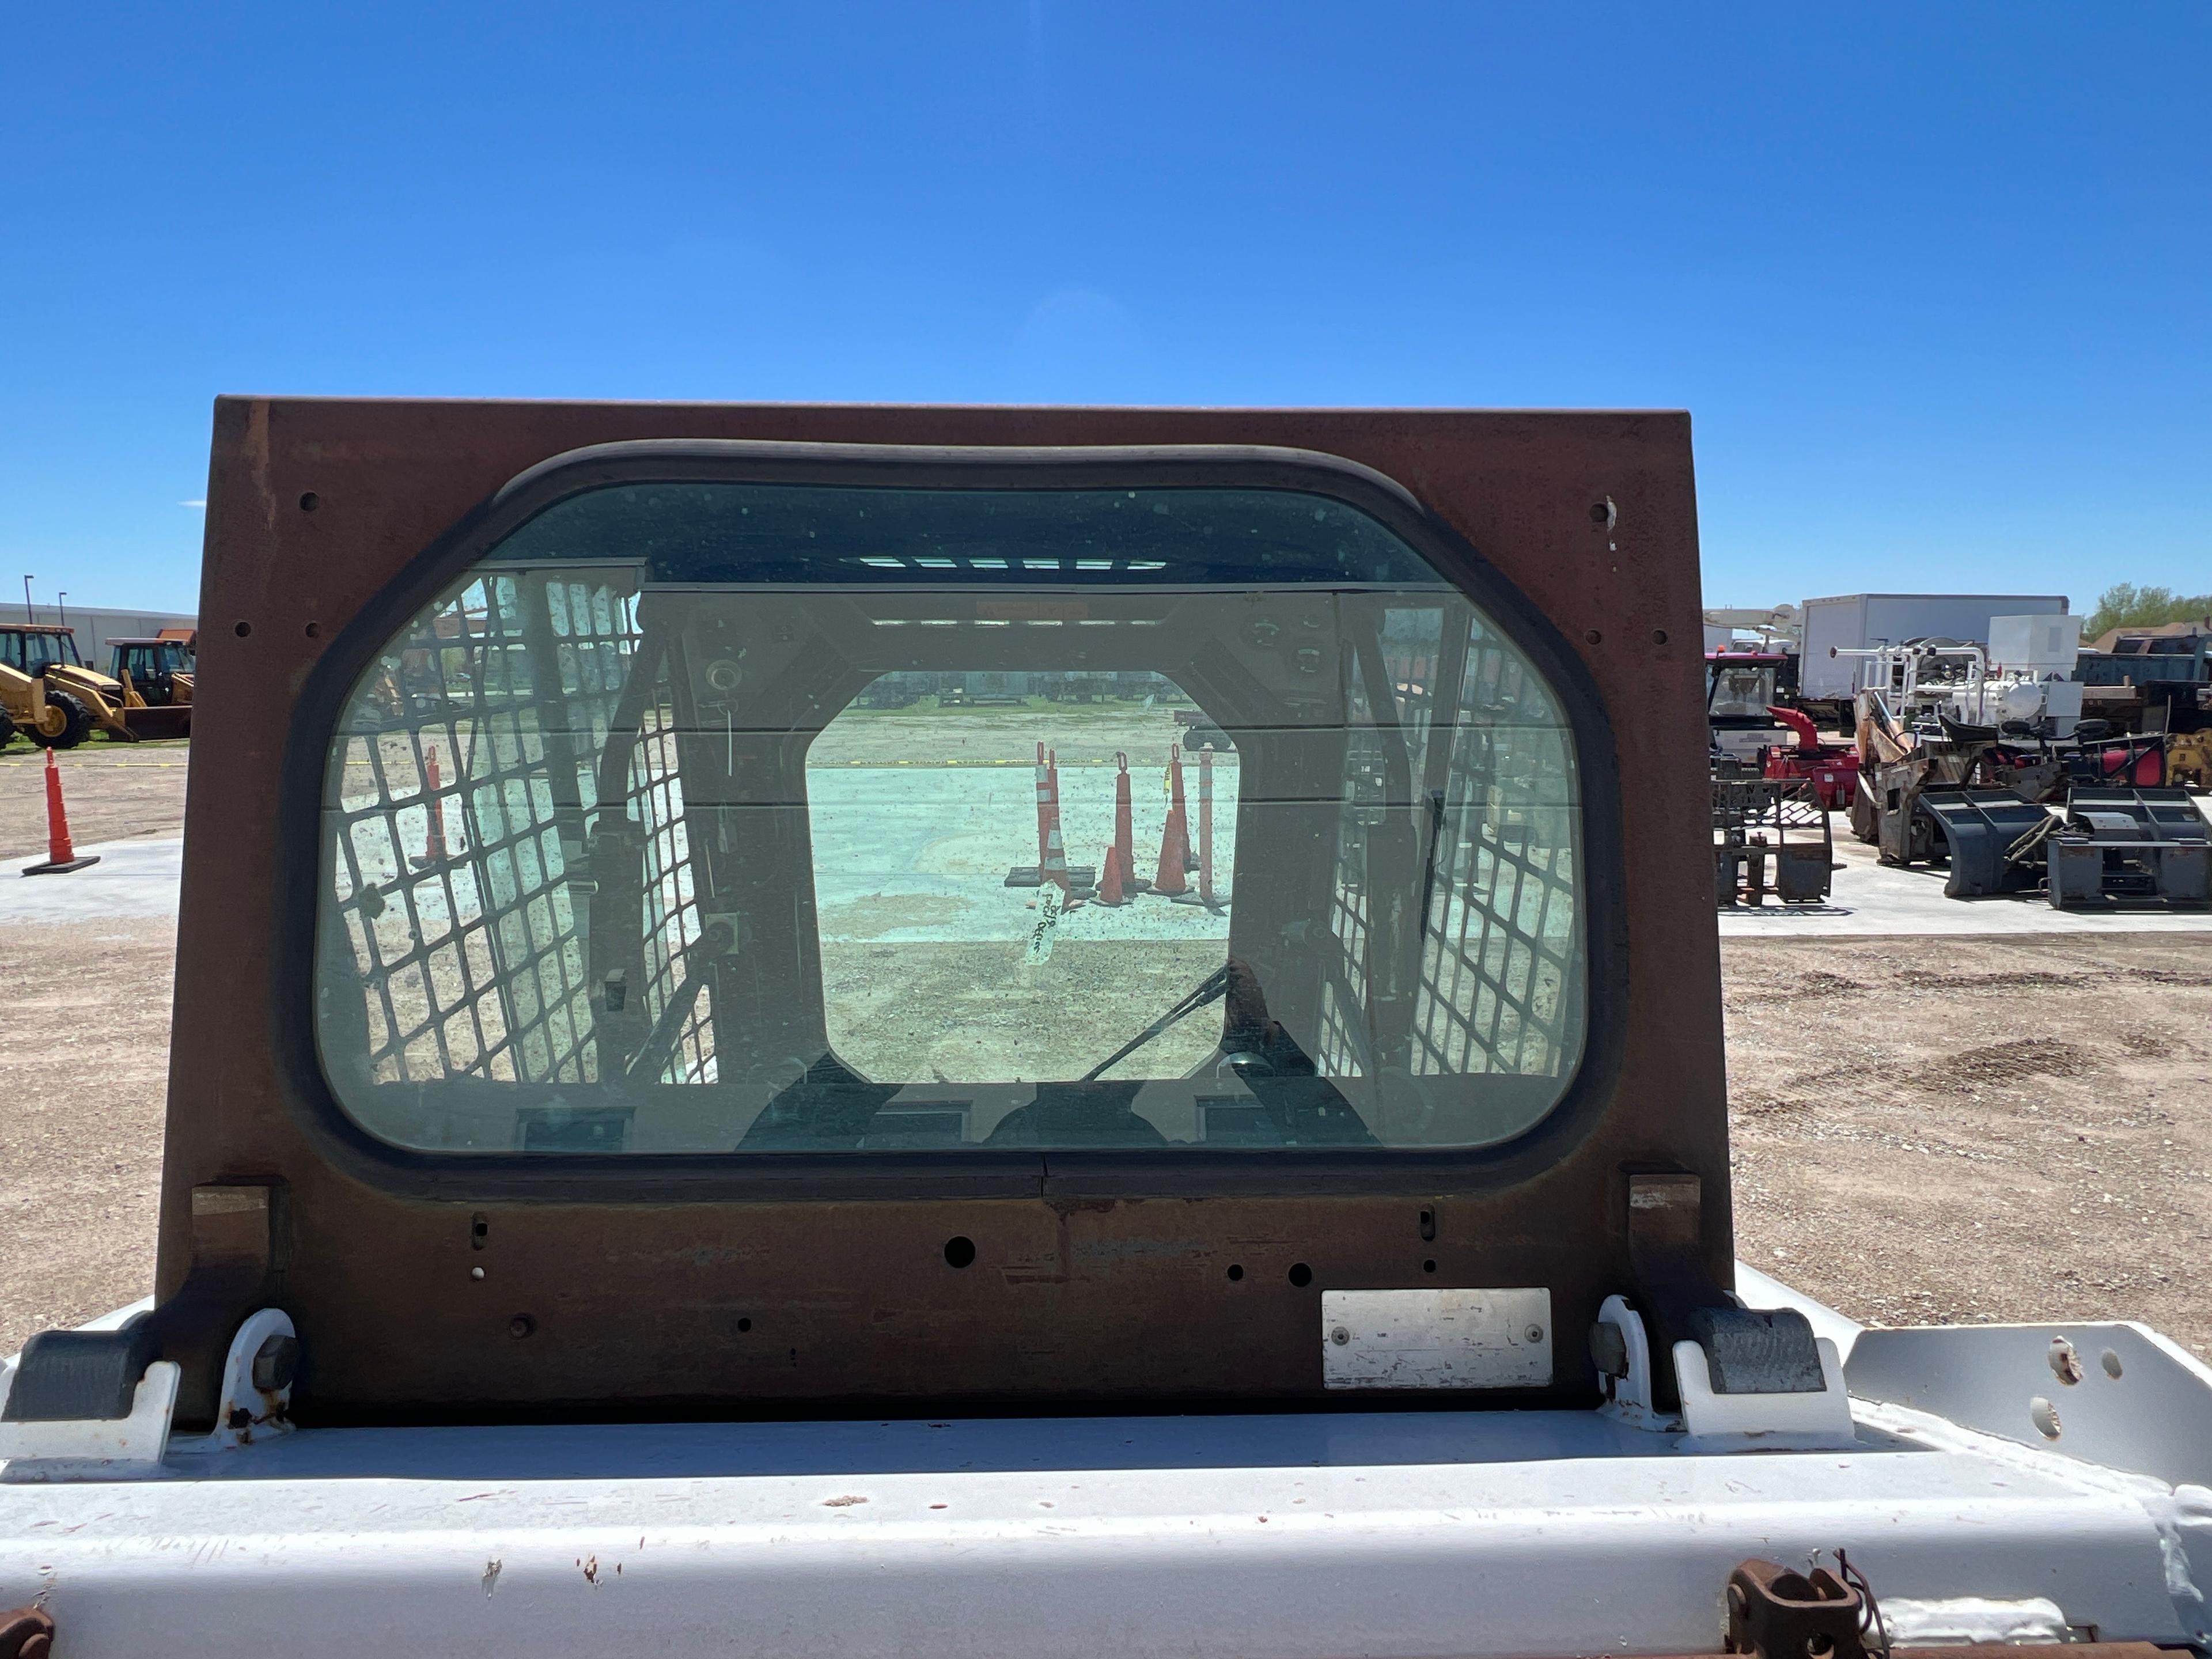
(157, 678)
(2189, 758)
(48, 694)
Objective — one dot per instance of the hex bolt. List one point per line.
(275, 1362)
(1608, 1349)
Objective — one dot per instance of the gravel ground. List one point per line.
(1947, 1130)
(111, 791)
(84, 1070)
(1053, 1020)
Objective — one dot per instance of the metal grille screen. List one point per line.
(467, 791)
(1488, 794)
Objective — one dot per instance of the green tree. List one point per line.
(2125, 605)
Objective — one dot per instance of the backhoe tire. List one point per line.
(76, 723)
(7, 729)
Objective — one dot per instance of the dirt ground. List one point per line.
(1925, 1129)
(84, 1072)
(887, 1001)
(111, 791)
(1942, 1130)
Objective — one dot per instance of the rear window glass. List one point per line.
(724, 817)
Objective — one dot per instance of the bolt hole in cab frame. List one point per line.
(642, 1158)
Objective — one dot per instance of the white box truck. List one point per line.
(1854, 621)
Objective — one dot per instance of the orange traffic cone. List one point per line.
(1111, 889)
(1205, 896)
(434, 837)
(1032, 875)
(1175, 839)
(1125, 838)
(1045, 803)
(1055, 863)
(61, 856)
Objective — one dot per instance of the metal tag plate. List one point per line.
(1442, 1339)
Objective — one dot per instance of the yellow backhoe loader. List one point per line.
(157, 681)
(47, 693)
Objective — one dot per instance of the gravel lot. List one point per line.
(1926, 1129)
(1940, 1130)
(84, 1072)
(112, 791)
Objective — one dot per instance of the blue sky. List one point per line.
(1933, 279)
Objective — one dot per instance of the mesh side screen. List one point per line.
(671, 921)
(459, 829)
(1493, 767)
(1502, 943)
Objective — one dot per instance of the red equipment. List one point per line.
(1833, 767)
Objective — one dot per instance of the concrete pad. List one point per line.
(1871, 898)
(132, 878)
(920, 853)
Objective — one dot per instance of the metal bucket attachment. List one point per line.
(2142, 845)
(1994, 838)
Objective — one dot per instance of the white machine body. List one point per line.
(2020, 1483)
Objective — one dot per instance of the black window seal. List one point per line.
(787, 1177)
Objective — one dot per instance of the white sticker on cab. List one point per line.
(1439, 1339)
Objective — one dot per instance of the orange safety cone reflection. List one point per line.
(1111, 891)
(1123, 858)
(1045, 803)
(61, 853)
(1055, 863)
(1057, 844)
(1205, 896)
(1175, 839)
(435, 846)
(1205, 825)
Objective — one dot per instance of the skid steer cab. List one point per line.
(927, 1030)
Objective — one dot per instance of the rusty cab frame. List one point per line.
(628, 1286)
